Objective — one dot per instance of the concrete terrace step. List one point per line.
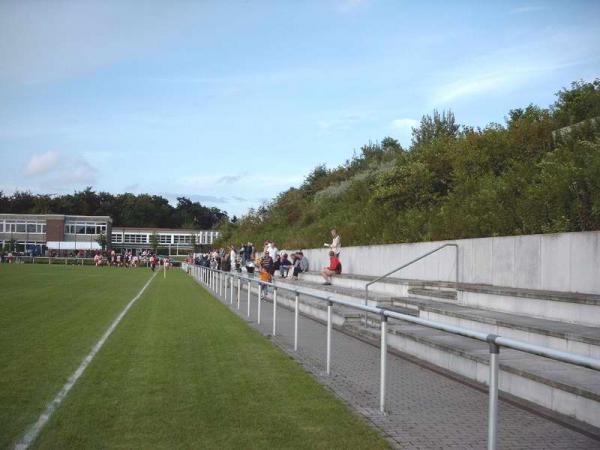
(570, 307)
(564, 388)
(581, 339)
(428, 292)
(571, 337)
(561, 387)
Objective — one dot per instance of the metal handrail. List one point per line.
(214, 279)
(412, 262)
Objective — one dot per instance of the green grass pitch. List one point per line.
(180, 370)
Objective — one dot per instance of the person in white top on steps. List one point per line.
(336, 243)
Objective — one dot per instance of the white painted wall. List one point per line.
(567, 262)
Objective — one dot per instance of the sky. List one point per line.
(230, 103)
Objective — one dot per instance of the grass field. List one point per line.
(180, 371)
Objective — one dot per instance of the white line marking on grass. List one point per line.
(35, 429)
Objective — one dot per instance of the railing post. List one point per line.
(274, 311)
(493, 392)
(296, 314)
(227, 280)
(457, 260)
(231, 289)
(383, 365)
(239, 285)
(366, 302)
(259, 301)
(329, 326)
(249, 294)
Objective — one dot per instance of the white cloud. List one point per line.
(258, 180)
(404, 124)
(47, 41)
(402, 129)
(343, 120)
(57, 170)
(511, 68)
(42, 163)
(350, 5)
(526, 9)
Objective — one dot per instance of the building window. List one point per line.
(182, 238)
(85, 228)
(131, 238)
(164, 238)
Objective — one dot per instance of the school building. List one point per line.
(39, 233)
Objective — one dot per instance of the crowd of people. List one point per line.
(271, 261)
(268, 263)
(129, 259)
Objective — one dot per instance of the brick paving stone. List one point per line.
(426, 410)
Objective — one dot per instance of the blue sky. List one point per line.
(230, 103)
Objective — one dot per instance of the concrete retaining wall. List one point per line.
(568, 262)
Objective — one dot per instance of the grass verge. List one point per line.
(50, 317)
(181, 371)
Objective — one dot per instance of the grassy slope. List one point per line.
(50, 317)
(181, 371)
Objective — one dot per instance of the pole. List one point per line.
(457, 258)
(249, 294)
(259, 300)
(329, 308)
(239, 285)
(274, 311)
(493, 392)
(164, 269)
(231, 289)
(383, 366)
(296, 314)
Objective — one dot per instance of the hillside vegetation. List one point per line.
(454, 181)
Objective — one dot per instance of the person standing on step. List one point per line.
(336, 243)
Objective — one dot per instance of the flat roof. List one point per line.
(172, 230)
(54, 216)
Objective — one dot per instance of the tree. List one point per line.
(126, 209)
(102, 241)
(580, 102)
(436, 127)
(194, 243)
(154, 242)
(11, 245)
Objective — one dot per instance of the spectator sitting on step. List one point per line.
(334, 268)
(284, 265)
(301, 264)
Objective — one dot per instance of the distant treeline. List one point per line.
(141, 210)
(528, 175)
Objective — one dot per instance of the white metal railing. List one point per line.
(412, 261)
(219, 281)
(50, 260)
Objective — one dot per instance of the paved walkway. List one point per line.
(426, 409)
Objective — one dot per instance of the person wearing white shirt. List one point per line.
(274, 251)
(232, 258)
(336, 243)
